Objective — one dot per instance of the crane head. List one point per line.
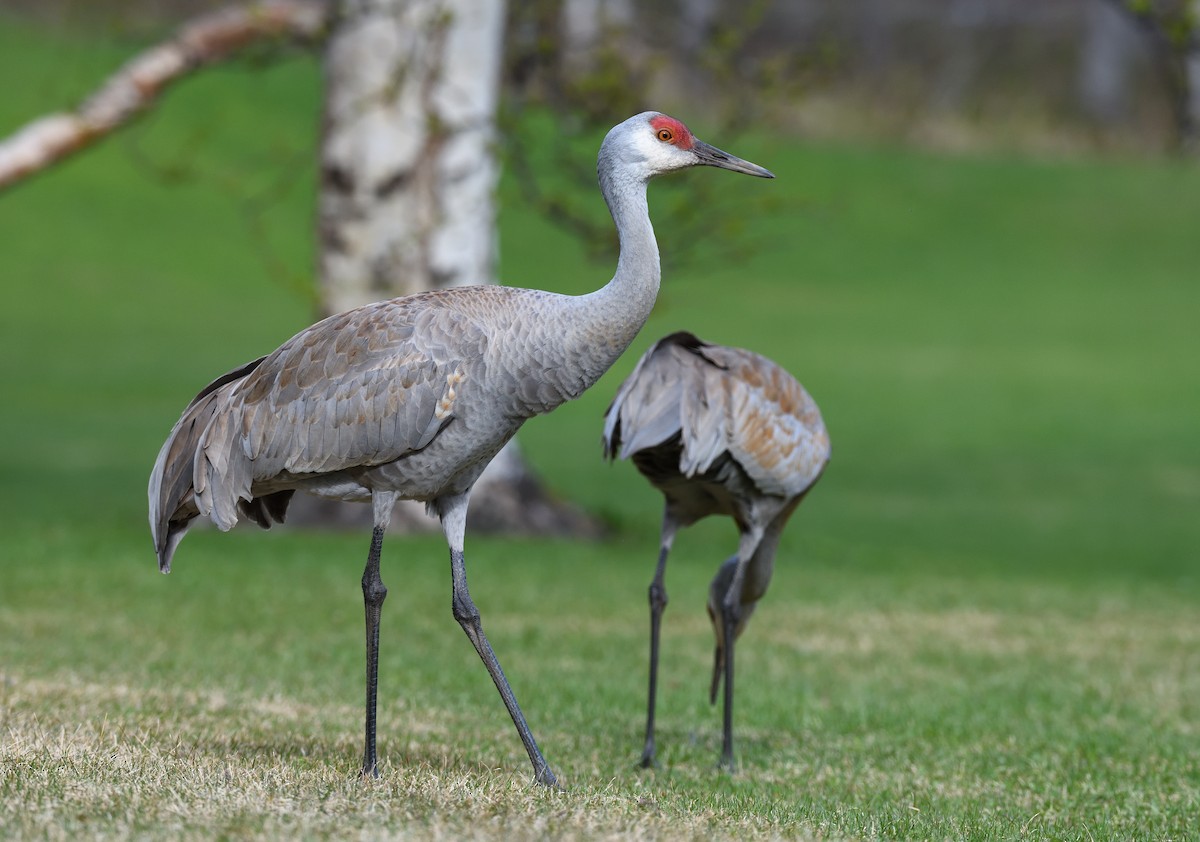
(652, 143)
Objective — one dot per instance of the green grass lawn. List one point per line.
(986, 619)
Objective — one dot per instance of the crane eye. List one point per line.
(665, 135)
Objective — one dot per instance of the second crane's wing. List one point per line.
(775, 430)
(364, 387)
(645, 412)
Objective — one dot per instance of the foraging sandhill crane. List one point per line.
(411, 398)
(719, 431)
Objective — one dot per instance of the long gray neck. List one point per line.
(575, 339)
(635, 284)
(614, 314)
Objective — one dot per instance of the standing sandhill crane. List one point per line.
(411, 398)
(719, 431)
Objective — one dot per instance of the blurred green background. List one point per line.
(1004, 346)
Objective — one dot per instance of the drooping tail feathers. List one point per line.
(669, 394)
(175, 500)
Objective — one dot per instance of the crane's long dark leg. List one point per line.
(731, 613)
(374, 593)
(453, 514)
(658, 601)
(727, 762)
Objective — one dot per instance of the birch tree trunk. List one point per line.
(406, 199)
(408, 169)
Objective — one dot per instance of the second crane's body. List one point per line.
(719, 431)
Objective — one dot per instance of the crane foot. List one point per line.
(544, 777)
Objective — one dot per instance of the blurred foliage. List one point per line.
(555, 110)
(1176, 18)
(560, 101)
(1173, 27)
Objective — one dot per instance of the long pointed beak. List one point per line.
(711, 156)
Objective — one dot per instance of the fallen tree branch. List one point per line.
(135, 86)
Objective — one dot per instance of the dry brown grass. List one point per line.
(87, 758)
(80, 759)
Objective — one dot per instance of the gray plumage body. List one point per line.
(411, 398)
(719, 431)
(414, 395)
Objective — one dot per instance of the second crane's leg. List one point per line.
(453, 514)
(731, 613)
(374, 593)
(727, 761)
(658, 601)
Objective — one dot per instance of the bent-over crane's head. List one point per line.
(717, 590)
(651, 143)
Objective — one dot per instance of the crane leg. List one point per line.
(658, 601)
(453, 515)
(727, 762)
(374, 593)
(731, 615)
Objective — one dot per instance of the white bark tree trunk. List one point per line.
(408, 168)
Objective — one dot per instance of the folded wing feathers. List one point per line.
(355, 389)
(668, 394)
(645, 410)
(173, 499)
(779, 437)
(220, 473)
(720, 400)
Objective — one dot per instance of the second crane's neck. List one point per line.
(617, 311)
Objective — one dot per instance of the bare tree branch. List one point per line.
(135, 86)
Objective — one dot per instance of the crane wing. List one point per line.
(172, 503)
(667, 395)
(645, 410)
(361, 388)
(775, 430)
(720, 400)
